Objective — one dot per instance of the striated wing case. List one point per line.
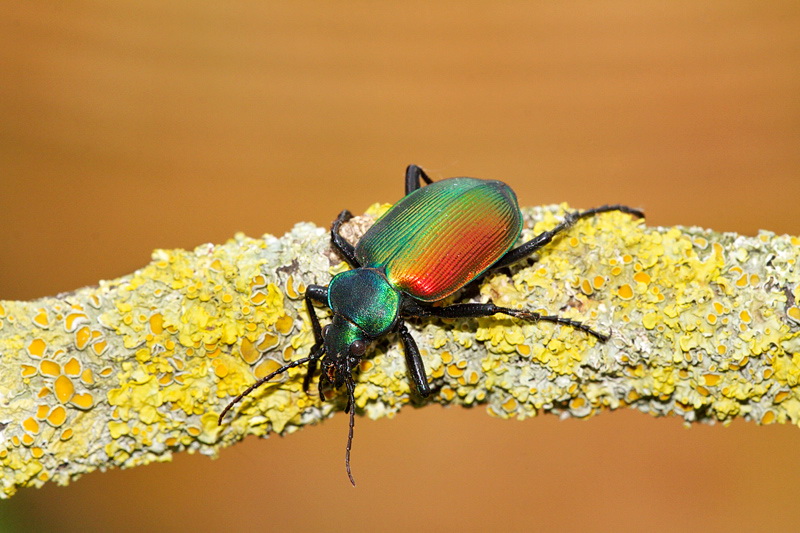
(442, 236)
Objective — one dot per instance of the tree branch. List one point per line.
(704, 326)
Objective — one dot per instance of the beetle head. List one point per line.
(345, 345)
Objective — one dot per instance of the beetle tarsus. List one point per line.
(537, 317)
(607, 208)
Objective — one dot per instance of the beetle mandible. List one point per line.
(433, 242)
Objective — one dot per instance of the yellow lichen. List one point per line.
(31, 425)
(64, 389)
(625, 292)
(73, 367)
(37, 347)
(49, 368)
(57, 416)
(143, 365)
(41, 319)
(83, 400)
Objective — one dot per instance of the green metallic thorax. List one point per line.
(365, 306)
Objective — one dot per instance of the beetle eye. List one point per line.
(325, 330)
(358, 348)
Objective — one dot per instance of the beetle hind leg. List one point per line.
(526, 249)
(489, 309)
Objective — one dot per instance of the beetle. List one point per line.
(435, 241)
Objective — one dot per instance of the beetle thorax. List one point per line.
(366, 299)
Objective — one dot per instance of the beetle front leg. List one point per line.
(316, 293)
(489, 309)
(414, 361)
(413, 176)
(345, 249)
(526, 249)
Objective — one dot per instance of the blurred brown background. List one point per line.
(131, 126)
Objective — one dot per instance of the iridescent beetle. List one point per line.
(433, 242)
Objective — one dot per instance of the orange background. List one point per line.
(132, 126)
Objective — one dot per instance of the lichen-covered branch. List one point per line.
(704, 325)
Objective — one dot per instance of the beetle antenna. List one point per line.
(351, 402)
(263, 380)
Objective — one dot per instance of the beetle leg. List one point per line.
(524, 250)
(413, 175)
(323, 378)
(489, 309)
(345, 249)
(319, 294)
(311, 371)
(414, 361)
